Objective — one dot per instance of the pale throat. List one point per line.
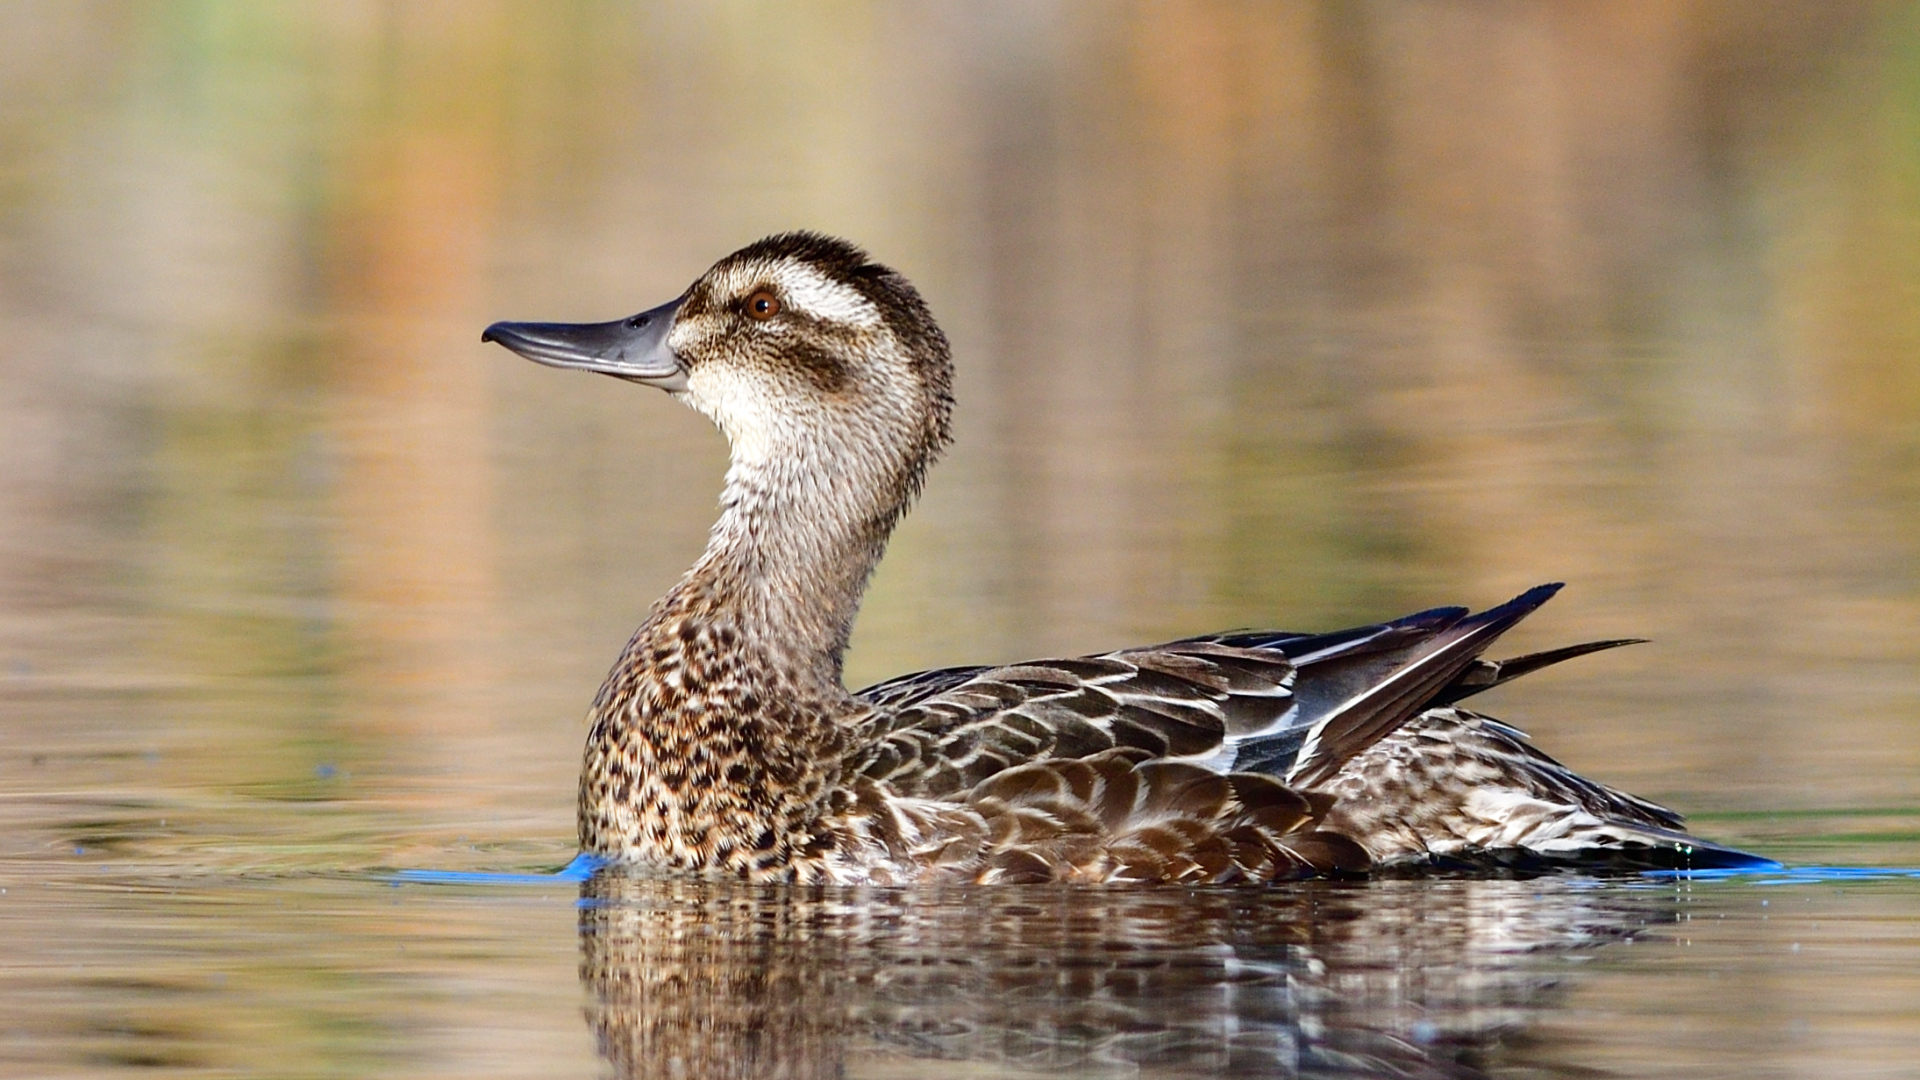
(804, 519)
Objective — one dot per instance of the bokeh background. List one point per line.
(1266, 314)
(1292, 315)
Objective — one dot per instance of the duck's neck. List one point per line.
(719, 737)
(788, 560)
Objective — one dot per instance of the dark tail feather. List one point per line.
(1677, 855)
(1356, 641)
(1698, 854)
(1376, 711)
(1487, 674)
(1643, 847)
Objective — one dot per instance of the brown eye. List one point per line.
(763, 305)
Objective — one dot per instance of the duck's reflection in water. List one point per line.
(1386, 978)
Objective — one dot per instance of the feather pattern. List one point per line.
(1456, 789)
(1119, 815)
(1377, 768)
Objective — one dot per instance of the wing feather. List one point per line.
(1199, 760)
(1288, 704)
(1122, 816)
(1377, 710)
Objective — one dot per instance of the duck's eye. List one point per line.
(763, 305)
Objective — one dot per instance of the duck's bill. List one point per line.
(634, 349)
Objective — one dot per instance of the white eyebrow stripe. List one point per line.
(814, 294)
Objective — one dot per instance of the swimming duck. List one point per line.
(724, 740)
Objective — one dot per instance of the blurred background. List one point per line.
(1294, 315)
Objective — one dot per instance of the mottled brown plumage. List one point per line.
(724, 741)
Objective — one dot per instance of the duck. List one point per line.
(724, 741)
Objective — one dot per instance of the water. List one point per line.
(325, 975)
(1294, 316)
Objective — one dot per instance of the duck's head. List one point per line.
(811, 358)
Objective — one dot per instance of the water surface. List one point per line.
(1293, 315)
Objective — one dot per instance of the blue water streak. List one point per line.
(1778, 874)
(580, 869)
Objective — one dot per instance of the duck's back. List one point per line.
(1256, 754)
